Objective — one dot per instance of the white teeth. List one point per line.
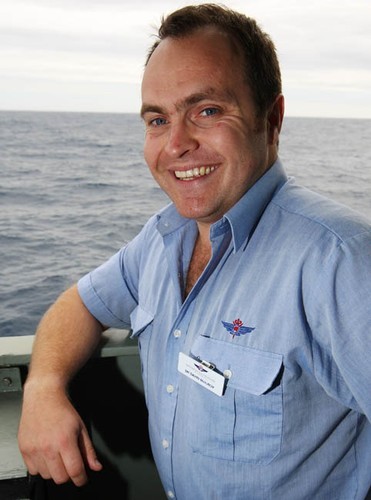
(186, 175)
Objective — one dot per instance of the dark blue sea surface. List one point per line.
(74, 188)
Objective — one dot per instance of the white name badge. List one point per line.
(201, 374)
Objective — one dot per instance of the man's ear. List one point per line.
(274, 119)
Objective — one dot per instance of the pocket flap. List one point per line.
(251, 370)
(140, 319)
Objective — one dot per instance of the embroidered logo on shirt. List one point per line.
(237, 328)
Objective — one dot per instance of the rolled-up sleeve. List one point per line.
(106, 294)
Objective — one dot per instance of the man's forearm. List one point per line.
(65, 339)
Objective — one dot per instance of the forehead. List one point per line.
(204, 59)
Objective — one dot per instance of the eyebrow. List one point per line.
(209, 93)
(149, 108)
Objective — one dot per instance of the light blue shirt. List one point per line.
(294, 420)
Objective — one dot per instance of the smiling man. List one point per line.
(249, 295)
(206, 133)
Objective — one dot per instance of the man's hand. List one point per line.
(53, 439)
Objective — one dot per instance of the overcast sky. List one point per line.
(87, 55)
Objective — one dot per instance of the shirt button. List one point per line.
(165, 444)
(169, 388)
(170, 494)
(177, 333)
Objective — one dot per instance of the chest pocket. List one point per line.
(245, 424)
(141, 325)
(140, 320)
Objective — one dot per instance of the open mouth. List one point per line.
(193, 173)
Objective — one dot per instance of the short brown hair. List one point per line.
(262, 69)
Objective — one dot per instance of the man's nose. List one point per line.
(181, 139)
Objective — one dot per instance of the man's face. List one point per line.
(203, 145)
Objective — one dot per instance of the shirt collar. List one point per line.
(169, 220)
(242, 218)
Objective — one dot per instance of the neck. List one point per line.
(203, 239)
(200, 257)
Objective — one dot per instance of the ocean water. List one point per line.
(74, 188)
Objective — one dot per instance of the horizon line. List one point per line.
(322, 117)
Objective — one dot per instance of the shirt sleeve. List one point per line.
(340, 320)
(106, 294)
(110, 292)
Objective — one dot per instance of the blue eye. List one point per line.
(157, 122)
(209, 111)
